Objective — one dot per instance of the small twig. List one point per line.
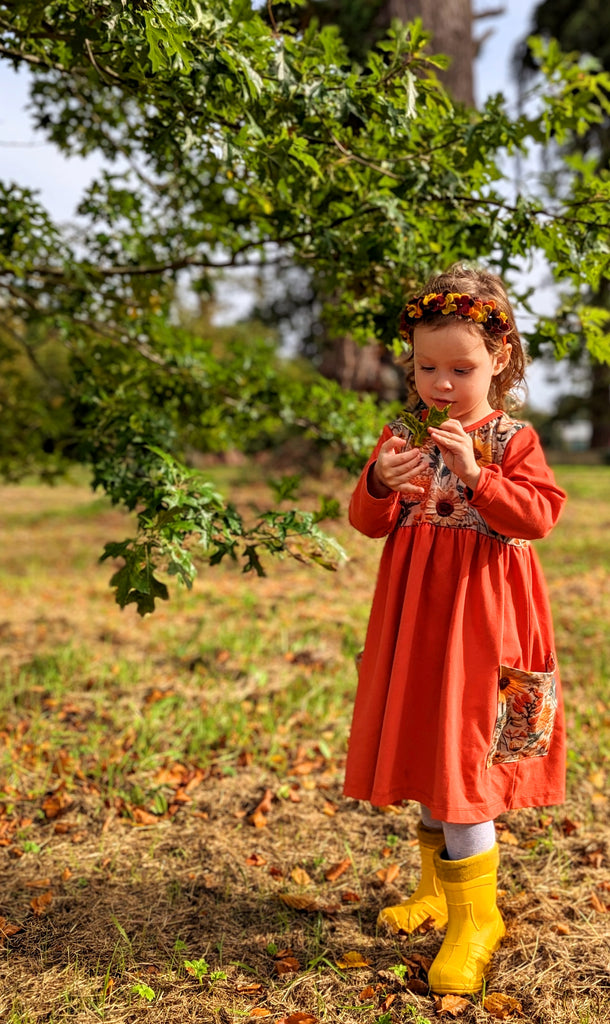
(489, 12)
(30, 352)
(98, 67)
(29, 58)
(271, 17)
(360, 159)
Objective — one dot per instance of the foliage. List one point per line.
(239, 142)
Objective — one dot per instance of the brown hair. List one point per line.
(483, 285)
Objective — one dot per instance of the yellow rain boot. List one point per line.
(428, 900)
(475, 926)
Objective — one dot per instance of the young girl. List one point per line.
(458, 703)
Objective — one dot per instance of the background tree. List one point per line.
(296, 299)
(238, 143)
(583, 27)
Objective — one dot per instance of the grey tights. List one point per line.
(462, 840)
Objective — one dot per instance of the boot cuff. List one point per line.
(467, 869)
(433, 838)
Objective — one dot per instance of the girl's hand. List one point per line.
(457, 450)
(395, 468)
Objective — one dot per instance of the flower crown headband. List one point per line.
(423, 307)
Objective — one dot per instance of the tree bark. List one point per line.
(599, 406)
(451, 24)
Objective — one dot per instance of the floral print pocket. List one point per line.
(527, 702)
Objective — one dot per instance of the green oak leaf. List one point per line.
(419, 428)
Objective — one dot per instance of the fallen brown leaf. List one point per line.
(258, 818)
(598, 906)
(181, 796)
(56, 804)
(561, 928)
(419, 962)
(427, 925)
(289, 965)
(143, 817)
(419, 987)
(454, 1005)
(352, 960)
(501, 1007)
(299, 902)
(387, 875)
(308, 903)
(255, 860)
(387, 1002)
(42, 903)
(350, 897)
(172, 775)
(62, 828)
(300, 876)
(259, 1011)
(7, 929)
(508, 838)
(337, 870)
(367, 993)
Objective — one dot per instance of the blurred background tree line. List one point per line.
(323, 151)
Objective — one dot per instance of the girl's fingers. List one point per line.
(393, 444)
(452, 441)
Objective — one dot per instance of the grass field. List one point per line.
(175, 847)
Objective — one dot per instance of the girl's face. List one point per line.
(453, 367)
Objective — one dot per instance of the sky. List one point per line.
(27, 159)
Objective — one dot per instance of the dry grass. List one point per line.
(135, 753)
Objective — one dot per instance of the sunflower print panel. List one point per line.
(527, 703)
(444, 501)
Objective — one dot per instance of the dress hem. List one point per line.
(469, 814)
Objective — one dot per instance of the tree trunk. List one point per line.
(599, 405)
(451, 24)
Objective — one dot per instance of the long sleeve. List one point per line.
(519, 498)
(375, 517)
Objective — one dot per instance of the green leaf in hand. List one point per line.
(419, 428)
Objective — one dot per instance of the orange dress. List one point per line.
(458, 703)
